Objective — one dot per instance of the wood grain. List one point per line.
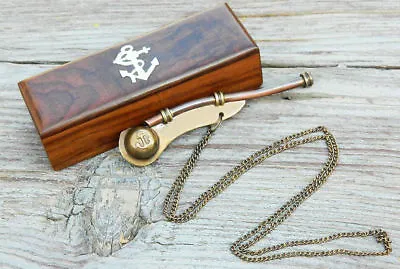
(291, 33)
(80, 108)
(101, 133)
(42, 226)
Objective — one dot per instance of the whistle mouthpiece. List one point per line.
(307, 79)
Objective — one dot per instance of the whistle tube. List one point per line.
(305, 81)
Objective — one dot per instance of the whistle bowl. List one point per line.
(141, 142)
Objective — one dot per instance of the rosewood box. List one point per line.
(80, 108)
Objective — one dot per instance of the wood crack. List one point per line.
(284, 65)
(35, 62)
(383, 67)
(319, 12)
(263, 64)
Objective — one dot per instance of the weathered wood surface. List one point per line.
(296, 32)
(81, 216)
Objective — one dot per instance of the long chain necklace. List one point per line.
(241, 247)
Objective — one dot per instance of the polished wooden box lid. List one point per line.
(80, 108)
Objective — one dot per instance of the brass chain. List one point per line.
(241, 246)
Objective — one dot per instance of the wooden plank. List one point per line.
(57, 219)
(293, 33)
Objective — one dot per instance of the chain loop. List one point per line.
(241, 246)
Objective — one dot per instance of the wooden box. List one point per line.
(80, 108)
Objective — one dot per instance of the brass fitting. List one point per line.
(307, 78)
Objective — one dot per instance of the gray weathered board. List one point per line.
(82, 216)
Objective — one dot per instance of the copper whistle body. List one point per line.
(143, 145)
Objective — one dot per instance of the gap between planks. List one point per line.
(263, 65)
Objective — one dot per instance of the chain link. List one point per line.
(241, 246)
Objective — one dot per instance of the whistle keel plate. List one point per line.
(181, 124)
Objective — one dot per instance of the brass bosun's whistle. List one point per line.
(143, 145)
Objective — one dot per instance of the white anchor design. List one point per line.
(129, 57)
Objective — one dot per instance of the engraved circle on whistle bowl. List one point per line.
(141, 142)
